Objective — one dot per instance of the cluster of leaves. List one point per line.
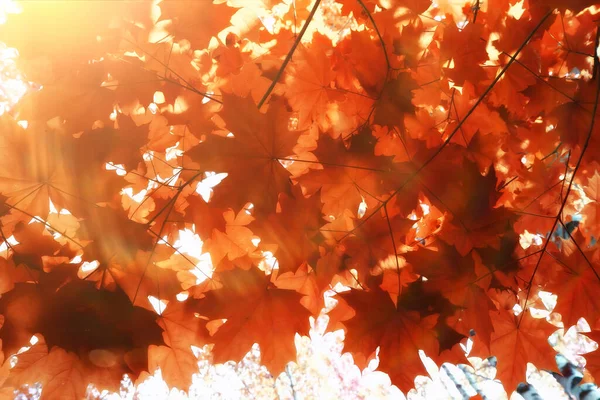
(192, 173)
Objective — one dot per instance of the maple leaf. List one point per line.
(36, 247)
(236, 241)
(140, 278)
(314, 282)
(114, 237)
(442, 264)
(424, 125)
(508, 91)
(370, 74)
(483, 119)
(204, 217)
(211, 16)
(293, 229)
(21, 308)
(548, 95)
(396, 101)
(125, 255)
(540, 198)
(432, 84)
(31, 171)
(473, 315)
(378, 238)
(181, 330)
(248, 300)
(483, 150)
(60, 372)
(251, 158)
(196, 117)
(69, 96)
(308, 81)
(517, 340)
(97, 328)
(574, 118)
(464, 48)
(96, 320)
(575, 286)
(470, 199)
(408, 45)
(56, 167)
(348, 177)
(77, 318)
(377, 322)
(578, 51)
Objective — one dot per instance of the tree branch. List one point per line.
(289, 55)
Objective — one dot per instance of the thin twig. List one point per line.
(287, 372)
(596, 59)
(290, 53)
(476, 9)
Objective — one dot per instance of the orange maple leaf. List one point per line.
(197, 22)
(255, 312)
(292, 229)
(399, 334)
(517, 340)
(575, 284)
(252, 157)
(181, 330)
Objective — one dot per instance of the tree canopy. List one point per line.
(182, 173)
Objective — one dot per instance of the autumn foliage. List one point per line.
(194, 172)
